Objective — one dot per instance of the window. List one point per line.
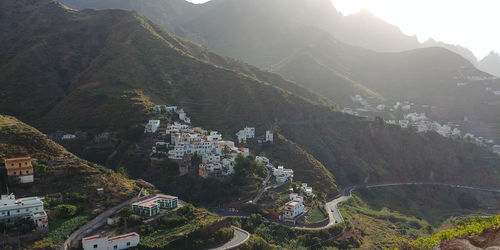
(14, 173)
(18, 210)
(95, 246)
(27, 171)
(115, 247)
(128, 244)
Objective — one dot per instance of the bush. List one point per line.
(65, 211)
(188, 211)
(174, 221)
(75, 197)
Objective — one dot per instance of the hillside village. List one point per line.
(411, 118)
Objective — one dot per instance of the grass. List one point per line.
(381, 228)
(316, 215)
(61, 229)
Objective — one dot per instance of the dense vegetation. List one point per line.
(466, 227)
(266, 234)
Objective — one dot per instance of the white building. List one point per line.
(406, 107)
(496, 149)
(293, 208)
(68, 137)
(246, 133)
(348, 111)
(11, 209)
(152, 126)
(456, 132)
(404, 123)
(182, 115)
(123, 241)
(391, 122)
(172, 108)
(308, 191)
(416, 117)
(269, 136)
(262, 159)
(282, 174)
(380, 107)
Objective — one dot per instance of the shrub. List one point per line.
(188, 211)
(174, 221)
(65, 211)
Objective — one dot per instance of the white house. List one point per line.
(262, 159)
(182, 115)
(496, 149)
(11, 209)
(308, 191)
(172, 108)
(269, 136)
(152, 126)
(293, 208)
(403, 123)
(282, 174)
(391, 122)
(406, 107)
(421, 128)
(246, 133)
(380, 107)
(416, 117)
(123, 241)
(68, 137)
(348, 111)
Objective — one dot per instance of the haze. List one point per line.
(464, 22)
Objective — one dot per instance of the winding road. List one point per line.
(240, 237)
(346, 194)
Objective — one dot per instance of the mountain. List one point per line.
(366, 30)
(103, 70)
(491, 64)
(464, 52)
(307, 42)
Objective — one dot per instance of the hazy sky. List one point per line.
(469, 23)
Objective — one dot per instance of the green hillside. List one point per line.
(311, 43)
(102, 70)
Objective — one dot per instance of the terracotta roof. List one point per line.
(91, 238)
(16, 160)
(124, 236)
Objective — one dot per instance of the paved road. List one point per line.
(263, 188)
(97, 221)
(240, 236)
(346, 193)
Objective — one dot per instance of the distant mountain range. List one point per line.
(90, 70)
(197, 22)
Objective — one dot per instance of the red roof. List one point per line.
(150, 202)
(91, 238)
(124, 236)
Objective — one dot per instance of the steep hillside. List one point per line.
(122, 63)
(404, 76)
(58, 171)
(296, 39)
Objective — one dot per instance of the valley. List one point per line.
(129, 128)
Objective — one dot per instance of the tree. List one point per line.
(65, 210)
